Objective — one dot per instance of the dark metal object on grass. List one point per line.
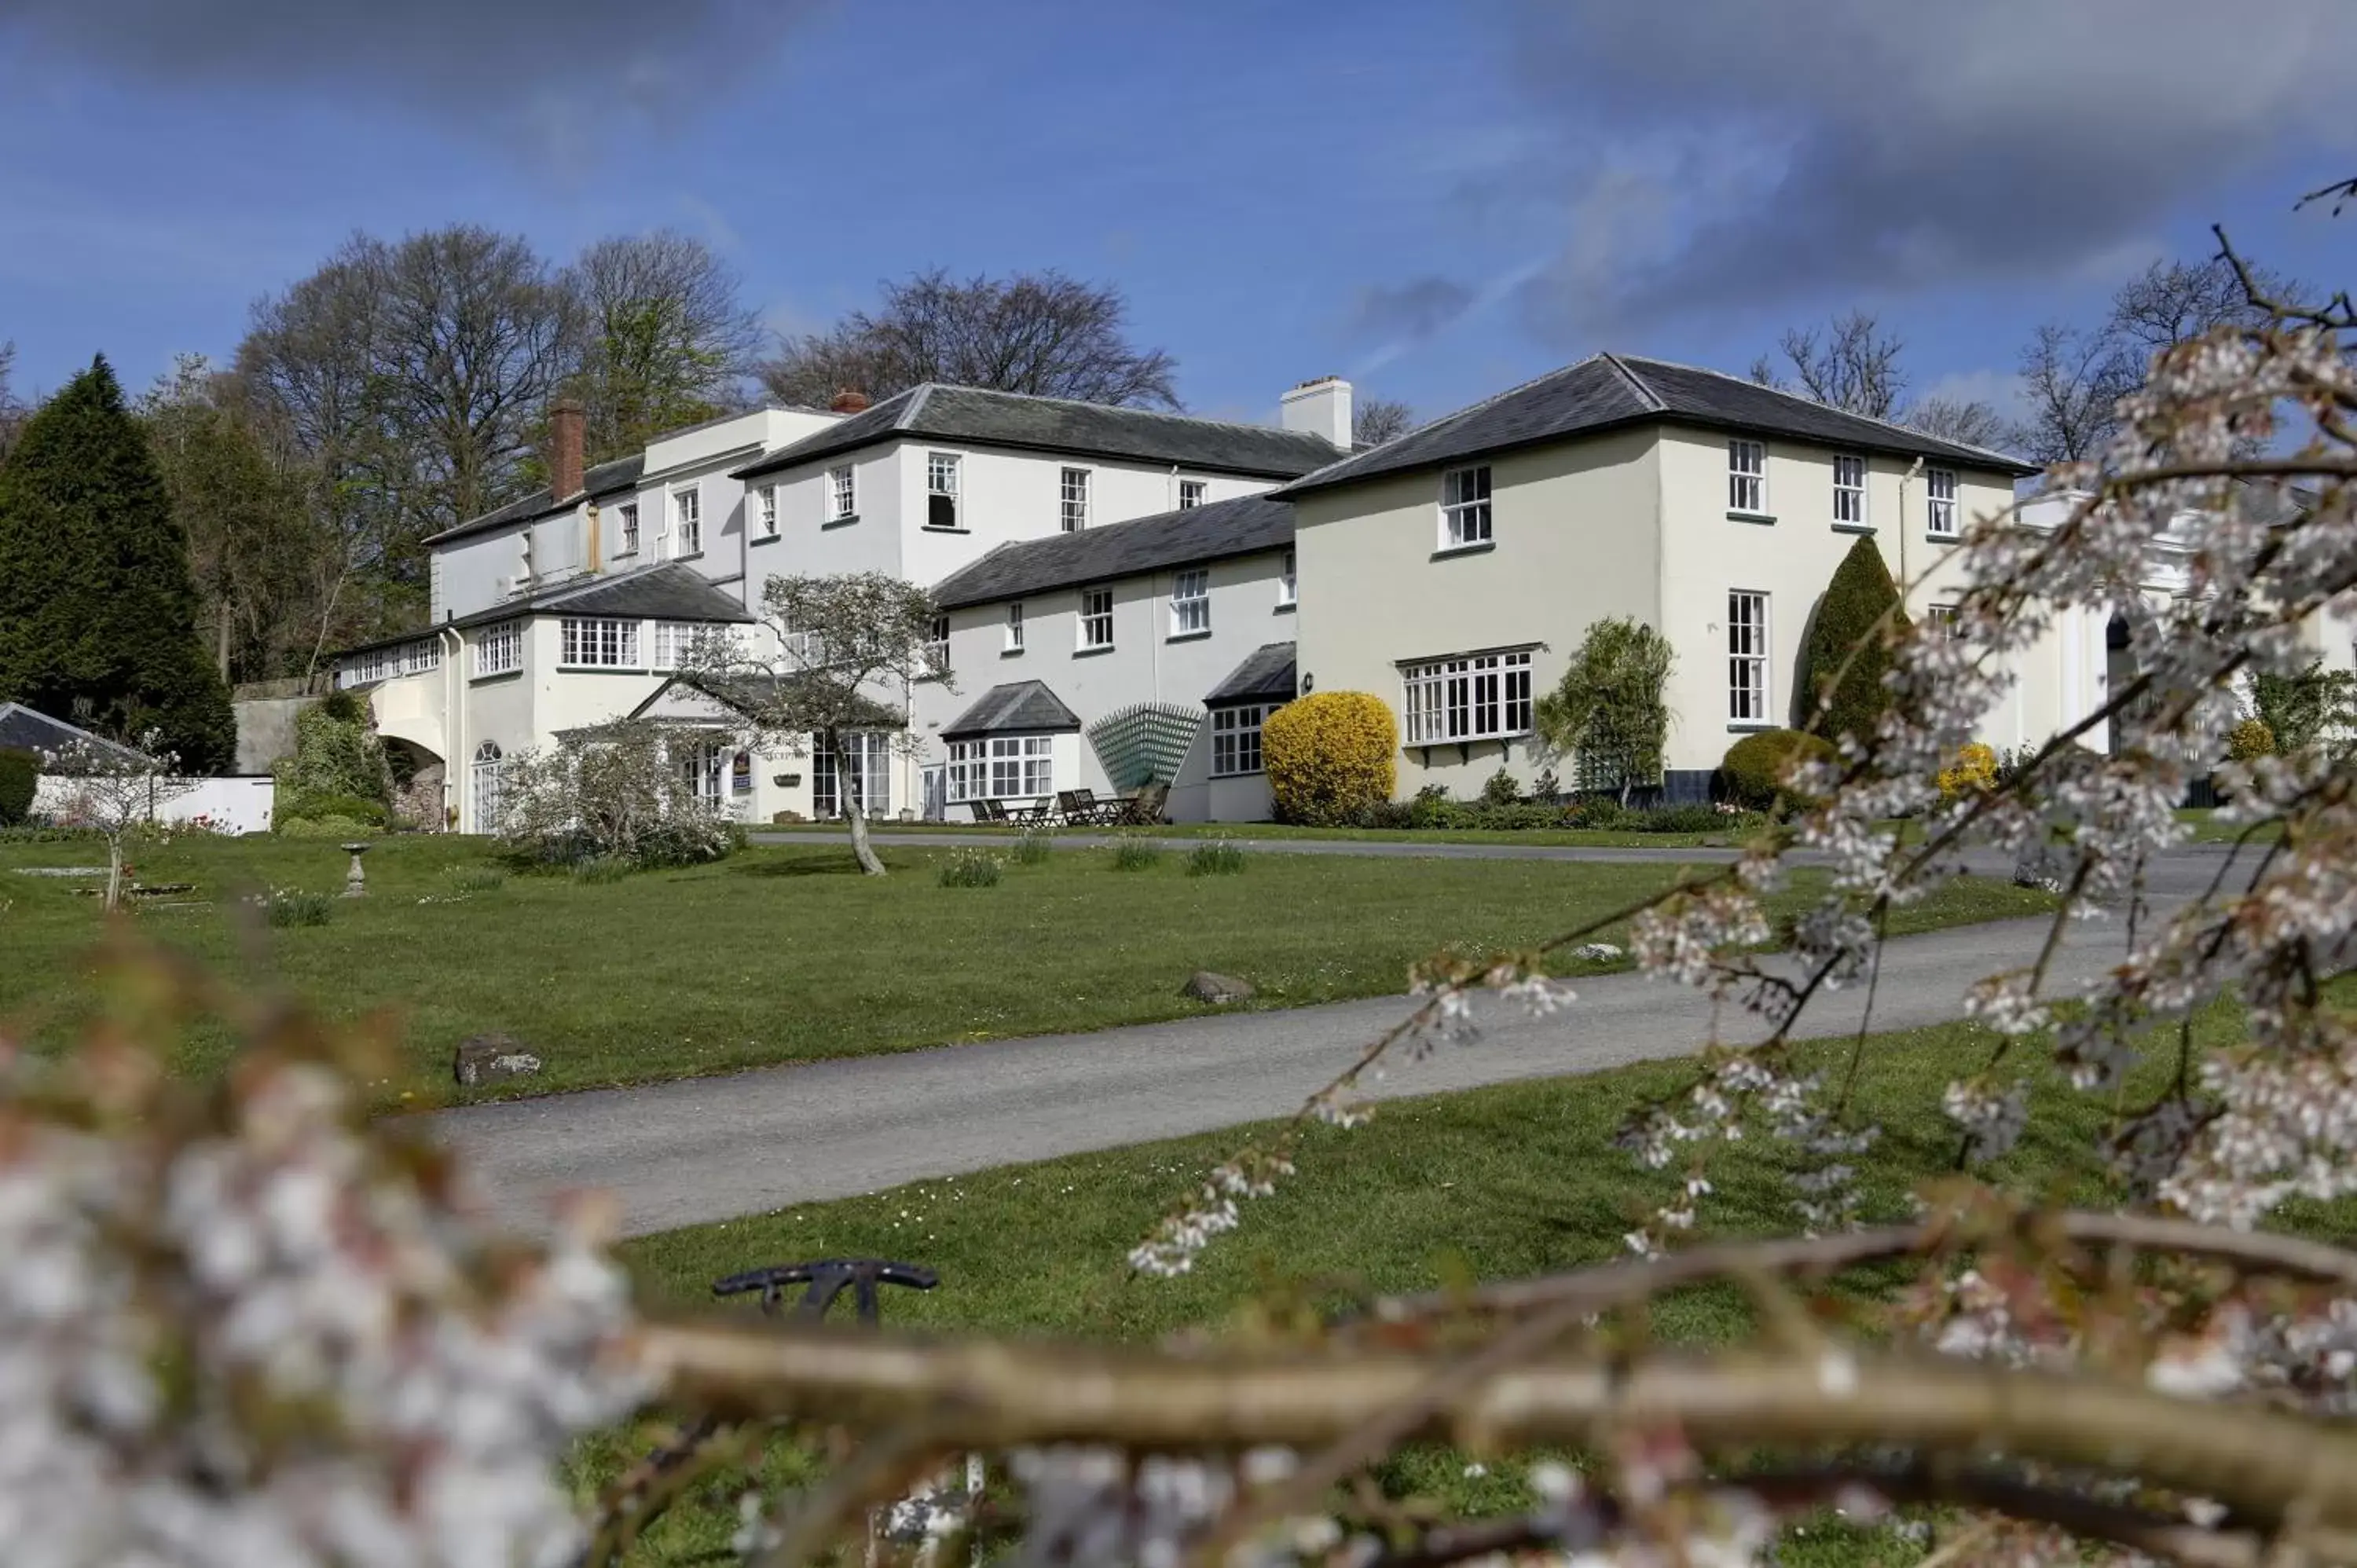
(826, 1280)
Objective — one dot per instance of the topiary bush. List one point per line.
(2246, 742)
(20, 775)
(1328, 757)
(1848, 646)
(1753, 773)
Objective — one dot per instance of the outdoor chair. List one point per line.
(988, 811)
(1143, 809)
(1081, 807)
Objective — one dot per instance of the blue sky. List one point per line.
(1437, 200)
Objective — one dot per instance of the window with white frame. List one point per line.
(1483, 696)
(870, 757)
(630, 511)
(1190, 494)
(1940, 488)
(1096, 618)
(1746, 477)
(1465, 508)
(1015, 626)
(1947, 623)
(687, 523)
(842, 494)
(674, 641)
(701, 763)
(1747, 657)
(765, 511)
(1235, 740)
(1003, 768)
(484, 781)
(1289, 588)
(1075, 499)
(598, 643)
(942, 489)
(1190, 602)
(498, 650)
(937, 646)
(1849, 489)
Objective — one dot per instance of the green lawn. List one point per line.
(786, 954)
(1489, 1184)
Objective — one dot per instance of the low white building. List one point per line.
(1094, 660)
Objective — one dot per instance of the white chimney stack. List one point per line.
(1322, 407)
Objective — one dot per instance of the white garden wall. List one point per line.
(235, 805)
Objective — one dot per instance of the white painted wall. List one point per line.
(233, 805)
(1146, 663)
(1574, 540)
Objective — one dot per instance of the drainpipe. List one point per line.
(454, 721)
(1904, 480)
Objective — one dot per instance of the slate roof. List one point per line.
(1607, 391)
(671, 591)
(1265, 676)
(976, 416)
(1216, 530)
(605, 479)
(29, 729)
(749, 693)
(1018, 705)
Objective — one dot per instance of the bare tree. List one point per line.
(2175, 302)
(668, 341)
(476, 334)
(1380, 419)
(1853, 365)
(410, 381)
(2070, 381)
(113, 790)
(1968, 419)
(1043, 333)
(837, 660)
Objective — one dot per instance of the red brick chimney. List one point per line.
(850, 400)
(565, 442)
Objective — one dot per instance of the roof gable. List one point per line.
(1245, 526)
(1608, 392)
(1027, 705)
(668, 591)
(983, 417)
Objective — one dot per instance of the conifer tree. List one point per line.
(1849, 621)
(98, 617)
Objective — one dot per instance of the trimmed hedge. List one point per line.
(1850, 616)
(20, 775)
(1753, 774)
(1329, 755)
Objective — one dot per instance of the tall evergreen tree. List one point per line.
(96, 607)
(1849, 620)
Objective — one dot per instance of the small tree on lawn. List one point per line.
(1608, 709)
(116, 790)
(1849, 647)
(840, 656)
(618, 791)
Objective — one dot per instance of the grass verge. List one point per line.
(787, 954)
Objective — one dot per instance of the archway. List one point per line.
(418, 778)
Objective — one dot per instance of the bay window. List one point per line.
(1483, 697)
(1002, 767)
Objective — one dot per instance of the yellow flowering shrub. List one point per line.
(1974, 769)
(2250, 740)
(1329, 755)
